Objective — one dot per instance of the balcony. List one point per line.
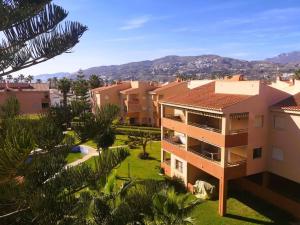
(204, 150)
(207, 121)
(174, 138)
(178, 118)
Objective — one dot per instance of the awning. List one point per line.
(208, 114)
(239, 115)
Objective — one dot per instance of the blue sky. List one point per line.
(122, 31)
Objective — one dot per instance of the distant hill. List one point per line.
(45, 77)
(286, 58)
(203, 66)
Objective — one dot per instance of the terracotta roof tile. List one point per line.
(291, 103)
(205, 97)
(169, 85)
(130, 91)
(24, 86)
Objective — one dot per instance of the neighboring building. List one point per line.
(246, 132)
(33, 97)
(56, 97)
(131, 96)
(136, 102)
(163, 92)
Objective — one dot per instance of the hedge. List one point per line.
(127, 131)
(139, 128)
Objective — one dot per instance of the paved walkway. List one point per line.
(92, 152)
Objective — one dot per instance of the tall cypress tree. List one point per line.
(33, 32)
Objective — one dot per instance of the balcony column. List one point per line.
(186, 117)
(222, 196)
(225, 124)
(224, 156)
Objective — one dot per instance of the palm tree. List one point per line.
(171, 208)
(29, 78)
(103, 129)
(9, 78)
(297, 74)
(64, 85)
(21, 77)
(54, 81)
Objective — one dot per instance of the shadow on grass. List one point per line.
(275, 214)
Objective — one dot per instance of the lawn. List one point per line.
(242, 209)
(120, 140)
(137, 168)
(72, 157)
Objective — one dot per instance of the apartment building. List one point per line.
(165, 91)
(242, 132)
(138, 100)
(33, 97)
(131, 96)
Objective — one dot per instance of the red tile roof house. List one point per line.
(246, 132)
(138, 100)
(33, 97)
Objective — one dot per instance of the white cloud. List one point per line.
(136, 23)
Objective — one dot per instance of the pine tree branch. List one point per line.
(45, 21)
(13, 213)
(14, 12)
(46, 46)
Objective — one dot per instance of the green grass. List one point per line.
(142, 169)
(120, 140)
(138, 168)
(72, 157)
(242, 209)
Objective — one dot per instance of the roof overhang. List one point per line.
(217, 111)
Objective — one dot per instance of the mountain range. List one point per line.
(203, 66)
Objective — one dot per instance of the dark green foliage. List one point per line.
(140, 138)
(48, 134)
(103, 127)
(177, 183)
(33, 33)
(10, 108)
(297, 75)
(83, 127)
(80, 86)
(156, 134)
(64, 85)
(62, 116)
(171, 208)
(95, 81)
(42, 190)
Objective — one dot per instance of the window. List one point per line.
(259, 121)
(179, 166)
(278, 122)
(45, 105)
(257, 152)
(277, 154)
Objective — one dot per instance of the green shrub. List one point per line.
(127, 131)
